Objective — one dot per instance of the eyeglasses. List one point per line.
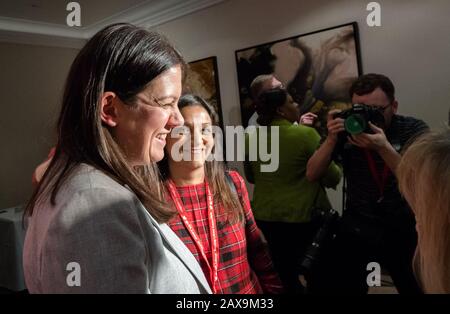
(383, 109)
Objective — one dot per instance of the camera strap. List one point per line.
(380, 179)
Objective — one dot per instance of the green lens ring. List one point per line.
(355, 124)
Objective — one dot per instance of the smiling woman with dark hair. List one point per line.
(99, 206)
(214, 217)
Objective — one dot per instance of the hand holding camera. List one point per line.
(335, 125)
(361, 125)
(376, 141)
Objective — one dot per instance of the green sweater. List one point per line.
(286, 195)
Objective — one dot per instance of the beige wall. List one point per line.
(411, 46)
(31, 83)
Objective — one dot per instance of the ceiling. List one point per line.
(54, 11)
(44, 21)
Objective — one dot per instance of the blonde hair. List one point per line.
(424, 179)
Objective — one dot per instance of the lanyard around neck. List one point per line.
(380, 179)
(213, 269)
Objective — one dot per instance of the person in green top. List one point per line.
(283, 199)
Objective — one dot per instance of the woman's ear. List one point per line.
(108, 109)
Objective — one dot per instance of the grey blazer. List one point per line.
(99, 238)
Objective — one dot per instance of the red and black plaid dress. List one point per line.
(245, 265)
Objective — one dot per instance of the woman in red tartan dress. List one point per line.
(214, 217)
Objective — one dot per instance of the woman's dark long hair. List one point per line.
(268, 103)
(214, 169)
(123, 59)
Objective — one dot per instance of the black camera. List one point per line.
(357, 118)
(326, 233)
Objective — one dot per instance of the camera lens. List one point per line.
(355, 124)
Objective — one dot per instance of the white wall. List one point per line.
(31, 84)
(412, 46)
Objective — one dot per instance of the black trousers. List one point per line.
(343, 268)
(287, 243)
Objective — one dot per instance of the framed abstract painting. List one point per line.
(317, 69)
(202, 79)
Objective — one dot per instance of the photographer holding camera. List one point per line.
(377, 224)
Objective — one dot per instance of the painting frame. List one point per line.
(205, 83)
(263, 59)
